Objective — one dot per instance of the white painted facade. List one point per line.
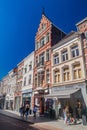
(72, 83)
(28, 78)
(12, 87)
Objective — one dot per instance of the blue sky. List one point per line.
(19, 21)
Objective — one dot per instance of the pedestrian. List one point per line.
(27, 111)
(34, 111)
(59, 109)
(21, 110)
(65, 114)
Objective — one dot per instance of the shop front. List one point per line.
(39, 99)
(66, 95)
(17, 101)
(2, 101)
(26, 97)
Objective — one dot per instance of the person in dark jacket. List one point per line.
(27, 111)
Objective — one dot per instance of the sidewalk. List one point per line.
(44, 122)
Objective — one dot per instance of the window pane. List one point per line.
(47, 55)
(58, 78)
(68, 76)
(47, 38)
(79, 73)
(77, 52)
(75, 74)
(64, 76)
(56, 59)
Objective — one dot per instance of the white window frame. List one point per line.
(47, 76)
(47, 55)
(65, 55)
(55, 59)
(42, 41)
(41, 58)
(75, 51)
(24, 81)
(30, 77)
(47, 37)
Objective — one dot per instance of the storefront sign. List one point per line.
(27, 91)
(56, 89)
(25, 95)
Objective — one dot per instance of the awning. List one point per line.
(62, 93)
(39, 88)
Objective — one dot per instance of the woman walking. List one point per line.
(65, 113)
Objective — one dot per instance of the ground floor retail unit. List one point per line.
(66, 95)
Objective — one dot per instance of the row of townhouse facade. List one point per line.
(55, 71)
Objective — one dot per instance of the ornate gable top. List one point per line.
(44, 23)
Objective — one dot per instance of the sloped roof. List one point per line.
(67, 38)
(43, 15)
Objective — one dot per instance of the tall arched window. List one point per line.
(77, 72)
(66, 74)
(56, 76)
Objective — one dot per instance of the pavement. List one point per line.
(45, 122)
